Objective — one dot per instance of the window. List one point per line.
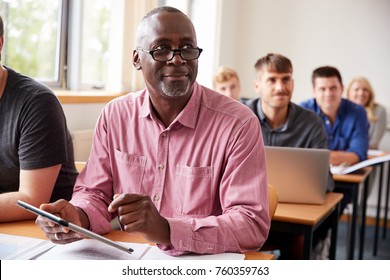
(94, 43)
(32, 37)
(69, 44)
(43, 39)
(207, 33)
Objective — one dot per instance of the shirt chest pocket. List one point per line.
(130, 171)
(195, 190)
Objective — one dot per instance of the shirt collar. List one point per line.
(284, 127)
(146, 106)
(187, 117)
(340, 111)
(260, 111)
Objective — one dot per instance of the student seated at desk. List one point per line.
(361, 92)
(177, 162)
(345, 122)
(284, 123)
(227, 82)
(36, 150)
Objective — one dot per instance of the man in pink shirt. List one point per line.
(176, 161)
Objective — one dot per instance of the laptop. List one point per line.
(299, 175)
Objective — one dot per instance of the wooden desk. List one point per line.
(352, 181)
(30, 229)
(305, 218)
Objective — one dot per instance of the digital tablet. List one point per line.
(71, 226)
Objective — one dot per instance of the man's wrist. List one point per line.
(83, 218)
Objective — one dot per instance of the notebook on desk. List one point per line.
(299, 175)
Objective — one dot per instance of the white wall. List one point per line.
(202, 10)
(82, 116)
(352, 35)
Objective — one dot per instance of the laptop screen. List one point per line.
(299, 175)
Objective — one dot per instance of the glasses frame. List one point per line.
(174, 51)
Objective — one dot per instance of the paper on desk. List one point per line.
(364, 163)
(13, 247)
(154, 253)
(91, 249)
(375, 153)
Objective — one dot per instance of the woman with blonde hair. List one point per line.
(360, 91)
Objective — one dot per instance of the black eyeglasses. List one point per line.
(167, 54)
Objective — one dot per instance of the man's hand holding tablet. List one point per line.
(60, 227)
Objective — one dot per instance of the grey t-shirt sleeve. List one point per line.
(43, 133)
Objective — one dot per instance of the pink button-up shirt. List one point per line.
(205, 173)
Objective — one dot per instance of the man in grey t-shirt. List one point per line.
(36, 150)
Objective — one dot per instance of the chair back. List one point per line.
(79, 165)
(273, 200)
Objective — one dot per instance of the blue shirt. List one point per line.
(350, 130)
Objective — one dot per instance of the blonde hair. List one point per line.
(224, 74)
(370, 106)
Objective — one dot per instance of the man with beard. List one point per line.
(177, 162)
(284, 123)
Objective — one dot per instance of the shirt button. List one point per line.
(161, 166)
(163, 135)
(156, 197)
